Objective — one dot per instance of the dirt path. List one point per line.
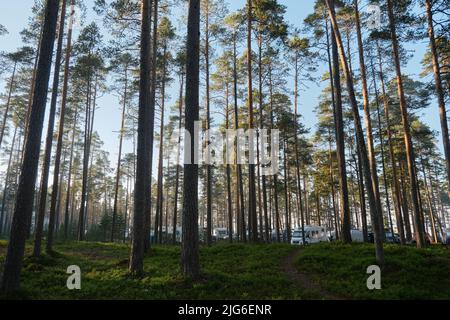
(302, 280)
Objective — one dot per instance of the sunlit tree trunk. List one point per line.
(360, 140)
(345, 234)
(7, 177)
(409, 149)
(368, 121)
(439, 90)
(8, 102)
(27, 180)
(177, 176)
(119, 160)
(49, 142)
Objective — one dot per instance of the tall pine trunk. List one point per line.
(409, 149)
(190, 245)
(160, 186)
(27, 180)
(61, 134)
(7, 177)
(240, 187)
(345, 234)
(142, 181)
(177, 176)
(150, 122)
(49, 140)
(8, 102)
(208, 125)
(297, 151)
(439, 90)
(368, 121)
(119, 160)
(378, 237)
(252, 217)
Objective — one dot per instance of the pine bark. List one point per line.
(190, 244)
(27, 180)
(142, 182)
(409, 148)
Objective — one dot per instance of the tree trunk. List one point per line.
(361, 141)
(177, 177)
(286, 193)
(150, 122)
(5, 188)
(228, 173)
(69, 181)
(27, 181)
(333, 100)
(439, 90)
(368, 121)
(410, 157)
(239, 188)
(386, 186)
(297, 151)
(340, 141)
(142, 183)
(252, 217)
(190, 246)
(397, 199)
(160, 187)
(119, 160)
(275, 176)
(208, 124)
(8, 103)
(49, 140)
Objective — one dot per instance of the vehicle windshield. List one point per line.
(297, 234)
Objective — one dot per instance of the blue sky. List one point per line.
(14, 15)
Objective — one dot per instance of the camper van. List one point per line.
(220, 234)
(357, 235)
(313, 234)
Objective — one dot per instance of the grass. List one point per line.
(229, 272)
(409, 273)
(235, 272)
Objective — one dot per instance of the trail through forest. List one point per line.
(301, 279)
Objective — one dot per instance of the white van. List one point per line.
(357, 235)
(313, 234)
(220, 233)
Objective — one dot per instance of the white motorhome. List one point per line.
(313, 234)
(221, 233)
(357, 235)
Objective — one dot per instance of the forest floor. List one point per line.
(275, 271)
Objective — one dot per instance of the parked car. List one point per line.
(392, 238)
(389, 237)
(313, 234)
